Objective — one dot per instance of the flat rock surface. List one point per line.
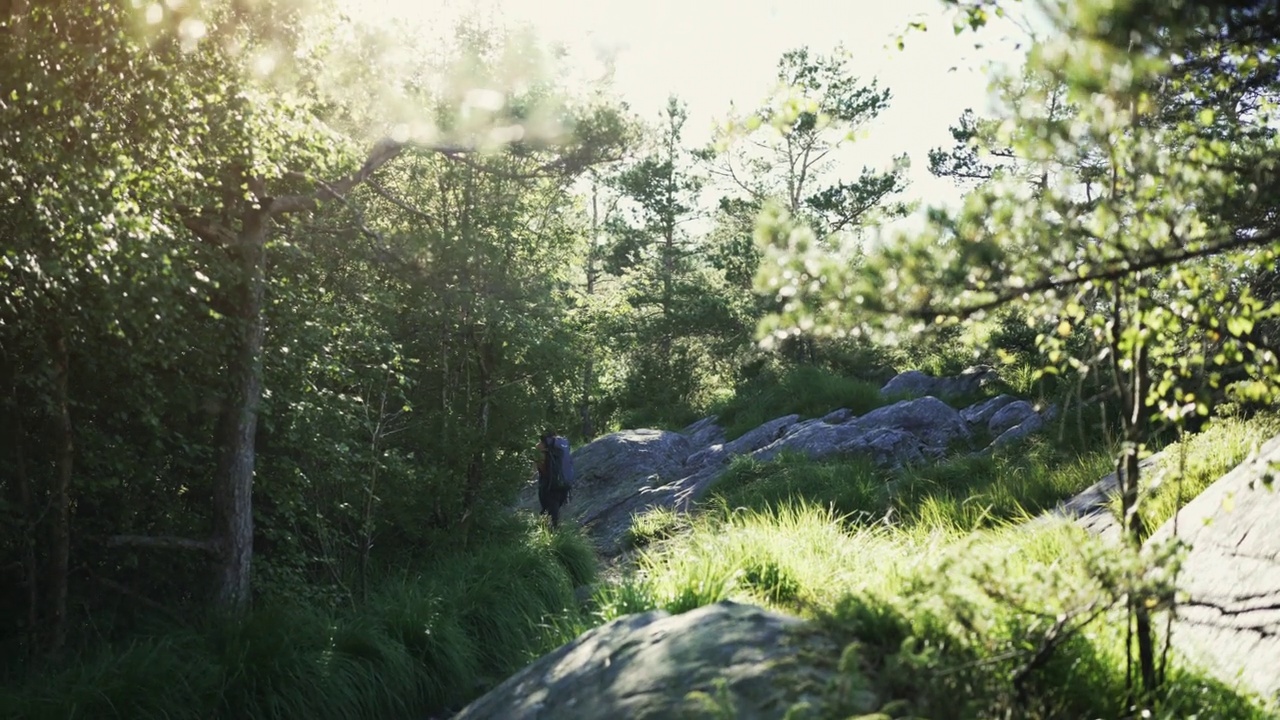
(642, 667)
(1232, 574)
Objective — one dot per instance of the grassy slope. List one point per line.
(941, 597)
(422, 643)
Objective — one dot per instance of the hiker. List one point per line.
(555, 474)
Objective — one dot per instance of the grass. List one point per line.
(969, 492)
(938, 592)
(652, 526)
(424, 643)
(1190, 466)
(803, 390)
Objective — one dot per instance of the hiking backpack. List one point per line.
(559, 463)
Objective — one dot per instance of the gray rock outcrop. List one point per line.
(628, 472)
(914, 383)
(643, 667)
(1091, 508)
(1230, 620)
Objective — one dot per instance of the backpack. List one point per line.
(559, 464)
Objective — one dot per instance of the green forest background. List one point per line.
(275, 343)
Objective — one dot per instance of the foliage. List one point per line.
(684, 323)
(804, 390)
(1193, 464)
(945, 608)
(423, 643)
(967, 492)
(1142, 136)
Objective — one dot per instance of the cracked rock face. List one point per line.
(1231, 576)
(642, 667)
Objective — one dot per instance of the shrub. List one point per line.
(423, 643)
(804, 390)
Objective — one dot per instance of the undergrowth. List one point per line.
(424, 642)
(942, 597)
(968, 492)
(804, 390)
(1190, 466)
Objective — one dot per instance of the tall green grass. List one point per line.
(969, 492)
(935, 621)
(941, 596)
(424, 643)
(1192, 465)
(804, 390)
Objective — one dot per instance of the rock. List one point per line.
(1091, 508)
(902, 433)
(1232, 574)
(914, 383)
(1015, 434)
(761, 436)
(704, 433)
(935, 423)
(614, 475)
(630, 472)
(835, 417)
(642, 667)
(980, 413)
(889, 447)
(1010, 416)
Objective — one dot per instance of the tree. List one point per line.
(1157, 203)
(680, 315)
(785, 158)
(139, 144)
(786, 152)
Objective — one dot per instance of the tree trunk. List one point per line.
(17, 434)
(589, 370)
(487, 358)
(238, 423)
(60, 495)
(1135, 424)
(1136, 526)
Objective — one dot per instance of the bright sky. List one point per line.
(714, 52)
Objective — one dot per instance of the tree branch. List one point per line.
(1124, 268)
(383, 151)
(207, 229)
(385, 194)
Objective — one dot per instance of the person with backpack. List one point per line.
(555, 474)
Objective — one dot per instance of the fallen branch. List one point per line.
(164, 542)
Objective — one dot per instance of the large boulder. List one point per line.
(643, 667)
(615, 475)
(914, 383)
(903, 433)
(1230, 620)
(629, 472)
(703, 433)
(980, 413)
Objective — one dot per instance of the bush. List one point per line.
(424, 643)
(805, 390)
